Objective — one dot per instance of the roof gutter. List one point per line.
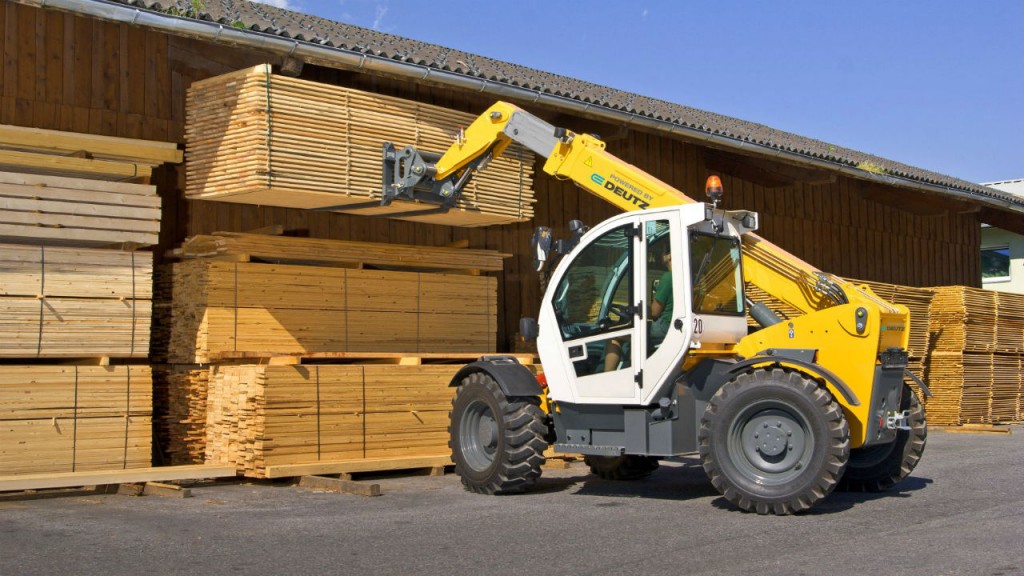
(340, 57)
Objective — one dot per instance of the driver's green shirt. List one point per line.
(663, 294)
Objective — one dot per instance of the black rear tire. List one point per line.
(773, 442)
(625, 467)
(878, 468)
(497, 442)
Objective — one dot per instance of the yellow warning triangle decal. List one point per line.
(589, 161)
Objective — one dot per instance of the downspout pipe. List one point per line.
(334, 57)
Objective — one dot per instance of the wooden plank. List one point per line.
(147, 152)
(65, 165)
(97, 477)
(166, 490)
(322, 484)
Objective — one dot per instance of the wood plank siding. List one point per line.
(65, 72)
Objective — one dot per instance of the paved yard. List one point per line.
(962, 512)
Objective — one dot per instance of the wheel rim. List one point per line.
(478, 436)
(770, 442)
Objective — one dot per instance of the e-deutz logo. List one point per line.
(619, 191)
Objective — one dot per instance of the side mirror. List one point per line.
(541, 244)
(528, 329)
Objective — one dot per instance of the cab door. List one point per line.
(667, 328)
(590, 317)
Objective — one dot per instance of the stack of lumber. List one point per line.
(74, 418)
(264, 416)
(1009, 322)
(258, 138)
(974, 367)
(246, 247)
(221, 309)
(62, 196)
(74, 302)
(1009, 359)
(179, 408)
(56, 210)
(236, 296)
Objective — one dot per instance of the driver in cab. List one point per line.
(661, 314)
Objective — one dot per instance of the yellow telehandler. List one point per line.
(645, 347)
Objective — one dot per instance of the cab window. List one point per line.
(596, 291)
(716, 275)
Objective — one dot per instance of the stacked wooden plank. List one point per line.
(179, 408)
(239, 296)
(55, 210)
(74, 302)
(264, 416)
(62, 196)
(1007, 404)
(259, 138)
(974, 368)
(74, 418)
(116, 158)
(284, 249)
(221, 309)
(66, 188)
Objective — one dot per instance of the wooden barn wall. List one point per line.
(65, 72)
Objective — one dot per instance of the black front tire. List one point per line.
(497, 442)
(774, 442)
(878, 468)
(625, 467)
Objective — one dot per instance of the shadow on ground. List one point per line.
(682, 479)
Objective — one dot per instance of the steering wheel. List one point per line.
(616, 314)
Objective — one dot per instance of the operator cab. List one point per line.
(639, 292)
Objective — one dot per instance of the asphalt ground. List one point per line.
(959, 513)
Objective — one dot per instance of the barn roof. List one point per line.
(233, 17)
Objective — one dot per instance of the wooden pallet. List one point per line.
(360, 465)
(259, 138)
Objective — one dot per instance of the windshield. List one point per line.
(717, 278)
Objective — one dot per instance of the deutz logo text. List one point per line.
(619, 191)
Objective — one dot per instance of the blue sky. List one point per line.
(936, 84)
